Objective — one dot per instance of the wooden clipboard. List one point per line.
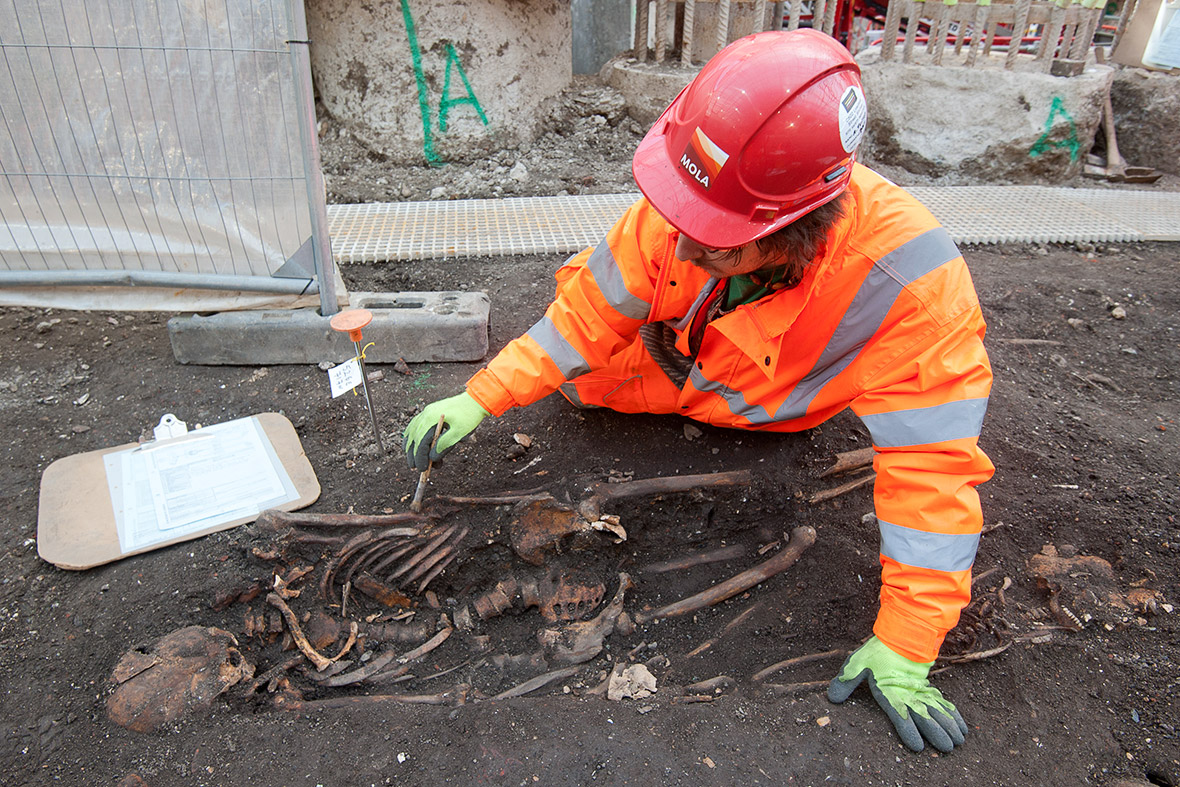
(76, 521)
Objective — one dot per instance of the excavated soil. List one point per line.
(1070, 678)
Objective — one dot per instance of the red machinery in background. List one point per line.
(855, 37)
(846, 11)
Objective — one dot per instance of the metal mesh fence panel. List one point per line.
(149, 136)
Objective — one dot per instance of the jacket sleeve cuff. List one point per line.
(486, 389)
(905, 634)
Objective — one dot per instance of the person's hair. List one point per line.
(796, 245)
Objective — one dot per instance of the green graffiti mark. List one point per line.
(1044, 143)
(420, 76)
(447, 102)
(444, 106)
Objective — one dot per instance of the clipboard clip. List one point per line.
(152, 445)
(170, 426)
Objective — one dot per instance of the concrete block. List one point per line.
(436, 82)
(982, 123)
(648, 88)
(412, 326)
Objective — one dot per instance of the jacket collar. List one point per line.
(757, 328)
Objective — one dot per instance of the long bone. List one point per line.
(801, 538)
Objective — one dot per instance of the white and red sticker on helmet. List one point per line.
(854, 114)
(703, 159)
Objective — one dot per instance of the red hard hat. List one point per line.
(766, 132)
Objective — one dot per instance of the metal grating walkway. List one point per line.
(395, 231)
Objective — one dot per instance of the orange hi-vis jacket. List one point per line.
(886, 322)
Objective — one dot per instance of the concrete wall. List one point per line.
(1011, 126)
(601, 30)
(423, 81)
(985, 122)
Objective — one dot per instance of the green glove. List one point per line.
(463, 414)
(917, 709)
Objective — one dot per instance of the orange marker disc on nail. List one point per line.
(351, 322)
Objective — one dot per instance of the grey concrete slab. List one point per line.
(412, 326)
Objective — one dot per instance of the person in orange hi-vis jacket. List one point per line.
(766, 280)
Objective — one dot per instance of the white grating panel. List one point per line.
(471, 228)
(1026, 214)
(552, 225)
(1154, 214)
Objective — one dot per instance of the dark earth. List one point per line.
(1068, 677)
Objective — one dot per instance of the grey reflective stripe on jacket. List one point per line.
(935, 551)
(924, 425)
(686, 320)
(609, 279)
(563, 354)
(878, 292)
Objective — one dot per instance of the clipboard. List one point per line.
(82, 518)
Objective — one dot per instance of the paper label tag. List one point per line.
(854, 115)
(344, 377)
